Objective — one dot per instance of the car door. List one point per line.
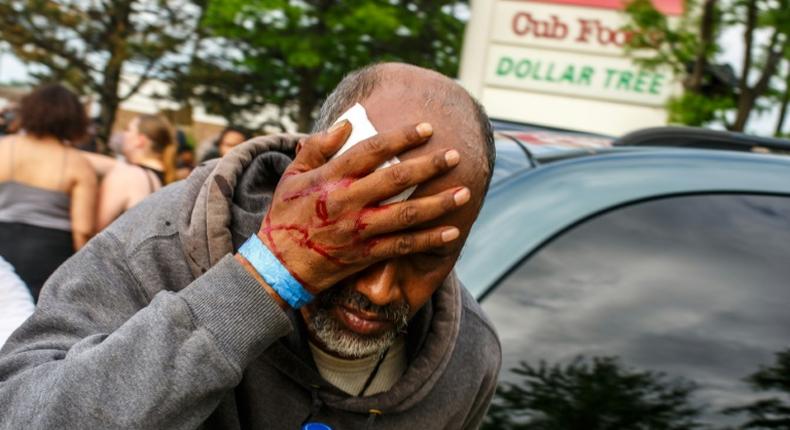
(665, 313)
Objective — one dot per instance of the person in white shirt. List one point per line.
(16, 303)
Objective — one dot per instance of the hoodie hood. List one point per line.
(234, 195)
(228, 207)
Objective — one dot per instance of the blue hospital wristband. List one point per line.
(274, 273)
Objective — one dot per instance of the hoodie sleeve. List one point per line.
(97, 354)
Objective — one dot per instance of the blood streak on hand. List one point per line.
(359, 224)
(303, 239)
(301, 234)
(322, 190)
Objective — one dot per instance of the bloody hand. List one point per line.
(325, 223)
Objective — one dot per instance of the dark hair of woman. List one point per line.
(232, 128)
(53, 111)
(159, 131)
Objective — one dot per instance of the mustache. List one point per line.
(350, 298)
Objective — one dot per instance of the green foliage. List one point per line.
(772, 412)
(74, 40)
(592, 394)
(688, 45)
(656, 42)
(698, 110)
(88, 44)
(292, 54)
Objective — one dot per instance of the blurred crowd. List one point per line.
(58, 189)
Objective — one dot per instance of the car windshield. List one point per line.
(682, 297)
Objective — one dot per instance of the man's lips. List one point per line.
(364, 323)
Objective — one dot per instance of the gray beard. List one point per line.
(338, 339)
(344, 342)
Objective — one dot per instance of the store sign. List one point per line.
(559, 27)
(568, 50)
(562, 63)
(576, 75)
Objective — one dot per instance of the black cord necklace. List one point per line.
(373, 373)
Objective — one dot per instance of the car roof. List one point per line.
(694, 137)
(540, 202)
(538, 142)
(524, 146)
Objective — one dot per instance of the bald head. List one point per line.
(395, 94)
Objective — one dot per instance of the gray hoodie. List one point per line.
(154, 325)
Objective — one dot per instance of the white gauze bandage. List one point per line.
(363, 129)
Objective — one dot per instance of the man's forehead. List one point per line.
(454, 127)
(445, 105)
(388, 113)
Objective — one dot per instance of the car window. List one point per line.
(510, 158)
(663, 314)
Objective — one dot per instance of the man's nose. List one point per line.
(379, 283)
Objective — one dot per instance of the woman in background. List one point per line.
(229, 138)
(47, 189)
(149, 148)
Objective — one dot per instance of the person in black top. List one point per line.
(149, 148)
(47, 188)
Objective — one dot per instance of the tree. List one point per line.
(592, 394)
(772, 412)
(89, 44)
(784, 102)
(711, 92)
(774, 18)
(291, 54)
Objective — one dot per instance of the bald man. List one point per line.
(273, 289)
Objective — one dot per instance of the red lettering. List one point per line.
(590, 30)
(602, 34)
(560, 29)
(585, 30)
(523, 24)
(520, 23)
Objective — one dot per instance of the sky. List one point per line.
(11, 69)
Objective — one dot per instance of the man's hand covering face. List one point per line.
(325, 223)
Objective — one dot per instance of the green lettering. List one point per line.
(569, 74)
(655, 85)
(641, 81)
(523, 68)
(625, 80)
(549, 72)
(536, 72)
(609, 74)
(585, 76)
(505, 66)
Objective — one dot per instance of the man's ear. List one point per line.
(299, 146)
